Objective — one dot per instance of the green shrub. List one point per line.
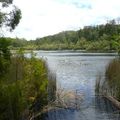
(23, 89)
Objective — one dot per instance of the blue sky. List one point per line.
(46, 17)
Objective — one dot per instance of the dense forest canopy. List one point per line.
(102, 37)
(90, 33)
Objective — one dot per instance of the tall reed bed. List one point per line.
(110, 86)
(23, 89)
(113, 77)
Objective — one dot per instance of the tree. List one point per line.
(9, 19)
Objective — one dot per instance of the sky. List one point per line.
(47, 17)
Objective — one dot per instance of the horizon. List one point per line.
(49, 17)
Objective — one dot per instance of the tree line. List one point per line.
(99, 37)
(104, 37)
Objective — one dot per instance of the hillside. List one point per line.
(105, 37)
(100, 37)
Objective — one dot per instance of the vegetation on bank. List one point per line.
(113, 78)
(110, 86)
(104, 37)
(23, 87)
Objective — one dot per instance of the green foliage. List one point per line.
(116, 44)
(12, 18)
(23, 89)
(7, 19)
(4, 55)
(99, 37)
(91, 38)
(10, 101)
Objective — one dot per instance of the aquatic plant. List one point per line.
(113, 77)
(110, 86)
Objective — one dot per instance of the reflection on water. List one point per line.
(75, 86)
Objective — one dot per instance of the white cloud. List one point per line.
(45, 17)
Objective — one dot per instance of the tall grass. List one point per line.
(113, 77)
(51, 85)
(111, 84)
(23, 89)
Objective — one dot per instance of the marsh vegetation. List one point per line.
(109, 87)
(23, 88)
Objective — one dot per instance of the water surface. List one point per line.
(76, 75)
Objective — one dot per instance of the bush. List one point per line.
(23, 89)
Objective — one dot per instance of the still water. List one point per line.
(76, 75)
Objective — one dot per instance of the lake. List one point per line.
(76, 75)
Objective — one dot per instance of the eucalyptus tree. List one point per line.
(10, 16)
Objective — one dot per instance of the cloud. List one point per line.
(83, 6)
(46, 17)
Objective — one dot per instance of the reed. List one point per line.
(113, 77)
(23, 89)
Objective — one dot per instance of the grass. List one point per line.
(23, 89)
(113, 77)
(111, 84)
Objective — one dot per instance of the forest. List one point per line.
(105, 37)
